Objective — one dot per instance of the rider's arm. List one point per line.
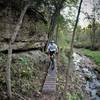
(56, 49)
(48, 48)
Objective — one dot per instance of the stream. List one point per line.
(84, 66)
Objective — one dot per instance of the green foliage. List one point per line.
(2, 73)
(83, 44)
(2, 58)
(97, 69)
(95, 55)
(73, 2)
(26, 74)
(69, 96)
(64, 59)
(23, 72)
(74, 96)
(65, 24)
(62, 40)
(86, 38)
(41, 27)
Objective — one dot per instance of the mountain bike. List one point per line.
(52, 61)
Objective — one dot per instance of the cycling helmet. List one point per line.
(52, 41)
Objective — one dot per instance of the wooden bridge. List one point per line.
(49, 87)
(50, 82)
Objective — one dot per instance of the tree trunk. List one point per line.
(93, 34)
(93, 37)
(8, 76)
(54, 19)
(71, 48)
(57, 28)
(53, 24)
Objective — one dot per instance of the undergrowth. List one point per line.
(95, 55)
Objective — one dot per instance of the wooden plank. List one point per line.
(50, 82)
(49, 88)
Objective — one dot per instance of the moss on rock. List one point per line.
(97, 69)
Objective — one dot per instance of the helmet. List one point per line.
(52, 41)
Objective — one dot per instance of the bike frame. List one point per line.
(52, 62)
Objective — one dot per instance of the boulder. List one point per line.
(97, 69)
(93, 98)
(28, 36)
(98, 76)
(87, 73)
(98, 93)
(98, 86)
(88, 76)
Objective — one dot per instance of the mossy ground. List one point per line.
(27, 74)
(95, 55)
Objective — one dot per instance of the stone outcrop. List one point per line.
(31, 34)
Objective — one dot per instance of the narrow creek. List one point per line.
(84, 66)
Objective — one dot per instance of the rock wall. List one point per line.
(30, 34)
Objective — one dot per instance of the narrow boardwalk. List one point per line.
(49, 87)
(50, 82)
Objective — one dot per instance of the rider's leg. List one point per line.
(52, 59)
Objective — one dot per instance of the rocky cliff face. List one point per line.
(31, 34)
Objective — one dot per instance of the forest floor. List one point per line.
(26, 76)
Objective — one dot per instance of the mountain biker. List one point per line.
(52, 49)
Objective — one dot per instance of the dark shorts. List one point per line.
(52, 52)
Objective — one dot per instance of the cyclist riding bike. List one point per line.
(52, 49)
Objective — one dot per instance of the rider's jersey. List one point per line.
(52, 47)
